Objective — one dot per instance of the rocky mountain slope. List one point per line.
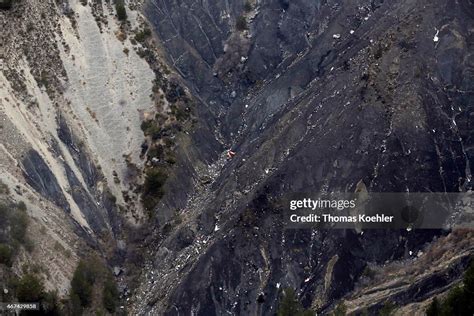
(312, 96)
(73, 93)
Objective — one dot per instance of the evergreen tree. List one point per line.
(434, 308)
(290, 306)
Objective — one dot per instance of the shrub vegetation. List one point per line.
(110, 295)
(92, 278)
(13, 228)
(241, 23)
(143, 35)
(460, 299)
(121, 11)
(29, 289)
(83, 281)
(247, 6)
(153, 190)
(290, 306)
(6, 255)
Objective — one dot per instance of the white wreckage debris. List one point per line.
(436, 38)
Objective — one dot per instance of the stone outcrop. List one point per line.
(311, 96)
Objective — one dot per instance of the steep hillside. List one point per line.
(90, 114)
(160, 137)
(312, 96)
(73, 94)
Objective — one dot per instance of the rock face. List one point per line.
(314, 96)
(311, 96)
(73, 92)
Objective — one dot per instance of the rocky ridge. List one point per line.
(343, 98)
(312, 96)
